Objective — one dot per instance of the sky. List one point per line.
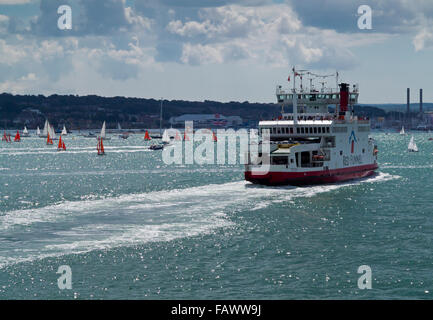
(220, 50)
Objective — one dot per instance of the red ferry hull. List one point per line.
(312, 177)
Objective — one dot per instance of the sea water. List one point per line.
(131, 227)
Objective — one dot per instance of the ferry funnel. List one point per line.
(344, 96)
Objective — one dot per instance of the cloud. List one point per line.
(89, 17)
(270, 35)
(423, 39)
(13, 2)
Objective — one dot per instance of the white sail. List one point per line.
(402, 131)
(412, 145)
(25, 130)
(118, 126)
(165, 136)
(38, 131)
(52, 133)
(102, 135)
(45, 130)
(64, 131)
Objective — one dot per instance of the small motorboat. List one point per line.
(156, 147)
(124, 135)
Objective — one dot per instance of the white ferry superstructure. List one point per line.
(312, 145)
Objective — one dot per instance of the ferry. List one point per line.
(313, 145)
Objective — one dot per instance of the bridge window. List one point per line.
(280, 160)
(315, 129)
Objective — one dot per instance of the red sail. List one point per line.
(17, 137)
(49, 141)
(146, 136)
(63, 146)
(60, 143)
(177, 138)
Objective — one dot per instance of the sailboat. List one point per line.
(402, 132)
(147, 136)
(52, 133)
(165, 137)
(17, 137)
(49, 140)
(64, 131)
(102, 135)
(412, 147)
(38, 131)
(61, 146)
(6, 137)
(25, 132)
(159, 136)
(100, 147)
(45, 130)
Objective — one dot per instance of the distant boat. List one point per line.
(402, 132)
(6, 137)
(52, 133)
(64, 131)
(147, 136)
(100, 147)
(119, 127)
(49, 140)
(90, 134)
(17, 137)
(165, 137)
(61, 146)
(45, 129)
(124, 135)
(38, 131)
(25, 132)
(156, 147)
(102, 135)
(412, 145)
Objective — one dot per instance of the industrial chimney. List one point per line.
(408, 100)
(420, 101)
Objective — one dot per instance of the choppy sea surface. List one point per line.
(131, 227)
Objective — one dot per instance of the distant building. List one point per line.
(207, 120)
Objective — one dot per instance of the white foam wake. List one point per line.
(81, 226)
